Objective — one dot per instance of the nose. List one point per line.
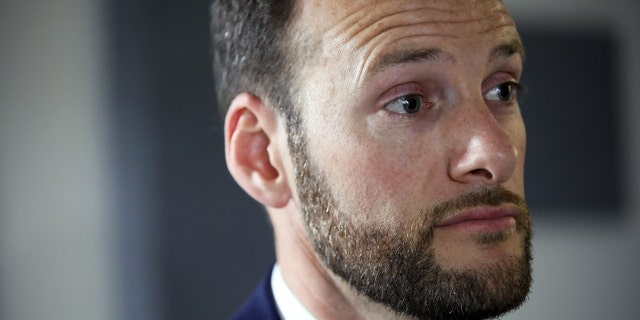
(483, 151)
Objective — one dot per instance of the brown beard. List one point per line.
(396, 266)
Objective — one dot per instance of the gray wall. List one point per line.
(586, 259)
(115, 202)
(56, 229)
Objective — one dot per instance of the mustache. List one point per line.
(487, 196)
(422, 229)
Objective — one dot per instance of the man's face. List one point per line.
(410, 154)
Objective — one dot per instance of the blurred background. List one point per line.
(115, 202)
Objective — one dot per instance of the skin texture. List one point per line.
(361, 193)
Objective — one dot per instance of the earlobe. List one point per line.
(254, 152)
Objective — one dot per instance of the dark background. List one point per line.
(209, 244)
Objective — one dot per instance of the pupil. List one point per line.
(505, 91)
(411, 104)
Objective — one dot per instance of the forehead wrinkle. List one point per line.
(355, 32)
(349, 29)
(423, 26)
(371, 63)
(427, 17)
(360, 19)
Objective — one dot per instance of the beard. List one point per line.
(397, 266)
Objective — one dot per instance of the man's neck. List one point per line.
(289, 307)
(322, 293)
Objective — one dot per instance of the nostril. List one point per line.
(483, 173)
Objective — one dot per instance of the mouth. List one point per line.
(482, 219)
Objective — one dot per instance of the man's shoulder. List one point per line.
(261, 304)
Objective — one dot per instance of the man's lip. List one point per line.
(499, 216)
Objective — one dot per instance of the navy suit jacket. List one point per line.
(261, 305)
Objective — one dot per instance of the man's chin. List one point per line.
(473, 251)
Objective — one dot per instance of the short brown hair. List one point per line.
(249, 44)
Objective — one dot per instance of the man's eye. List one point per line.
(503, 92)
(405, 105)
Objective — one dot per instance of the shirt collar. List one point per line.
(288, 304)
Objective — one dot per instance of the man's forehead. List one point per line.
(378, 32)
(328, 12)
(357, 24)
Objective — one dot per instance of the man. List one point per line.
(385, 141)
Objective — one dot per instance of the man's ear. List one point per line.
(254, 150)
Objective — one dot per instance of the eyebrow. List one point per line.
(507, 49)
(408, 56)
(503, 50)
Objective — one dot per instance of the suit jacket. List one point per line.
(261, 305)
